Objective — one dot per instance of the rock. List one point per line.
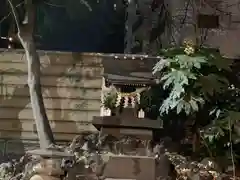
(202, 175)
(223, 177)
(163, 166)
(159, 149)
(193, 166)
(77, 169)
(43, 177)
(209, 164)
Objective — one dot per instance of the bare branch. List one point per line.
(84, 2)
(5, 17)
(14, 15)
(53, 5)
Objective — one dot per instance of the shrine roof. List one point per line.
(129, 69)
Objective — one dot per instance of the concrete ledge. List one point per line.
(116, 56)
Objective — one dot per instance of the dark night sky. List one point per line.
(72, 27)
(78, 29)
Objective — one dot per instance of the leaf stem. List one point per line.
(231, 148)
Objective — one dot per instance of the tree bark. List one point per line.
(44, 131)
(25, 35)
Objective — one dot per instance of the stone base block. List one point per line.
(43, 177)
(130, 167)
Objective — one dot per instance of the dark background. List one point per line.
(69, 25)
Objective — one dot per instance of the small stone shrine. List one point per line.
(123, 148)
(125, 121)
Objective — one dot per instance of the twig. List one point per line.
(206, 145)
(231, 148)
(53, 5)
(14, 15)
(5, 17)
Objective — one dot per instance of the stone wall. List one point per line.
(71, 84)
(225, 37)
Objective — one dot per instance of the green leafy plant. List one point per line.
(196, 83)
(191, 76)
(110, 98)
(223, 133)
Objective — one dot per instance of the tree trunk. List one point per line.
(44, 131)
(25, 35)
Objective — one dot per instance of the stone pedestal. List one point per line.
(44, 177)
(130, 167)
(127, 125)
(131, 132)
(49, 167)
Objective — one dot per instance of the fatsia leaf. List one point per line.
(221, 63)
(189, 106)
(176, 77)
(211, 84)
(199, 100)
(222, 123)
(174, 103)
(177, 91)
(234, 116)
(210, 138)
(165, 107)
(218, 112)
(235, 139)
(194, 105)
(215, 58)
(179, 107)
(189, 62)
(169, 104)
(161, 65)
(212, 111)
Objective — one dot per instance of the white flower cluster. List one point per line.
(189, 50)
(231, 86)
(189, 46)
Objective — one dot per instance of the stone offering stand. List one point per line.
(135, 159)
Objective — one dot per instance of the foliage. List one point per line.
(191, 76)
(110, 98)
(223, 131)
(196, 83)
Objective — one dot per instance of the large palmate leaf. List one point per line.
(189, 62)
(193, 104)
(166, 105)
(211, 84)
(221, 63)
(177, 78)
(160, 65)
(215, 59)
(223, 123)
(231, 118)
